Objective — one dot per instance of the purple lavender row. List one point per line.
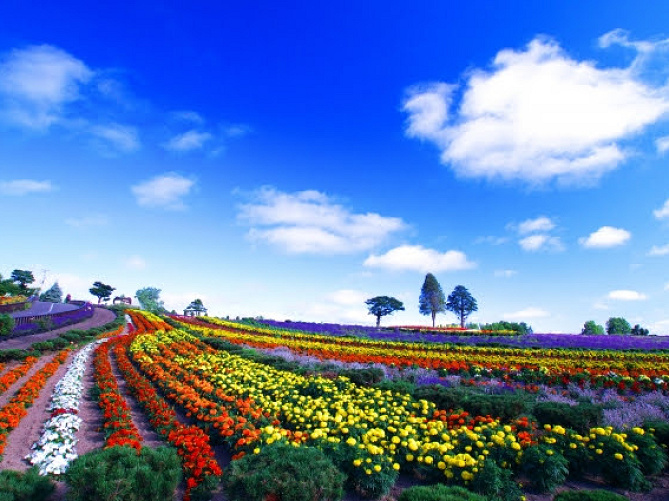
(60, 320)
(603, 342)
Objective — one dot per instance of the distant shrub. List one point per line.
(28, 486)
(284, 472)
(545, 467)
(581, 417)
(6, 324)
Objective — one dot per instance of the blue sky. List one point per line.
(292, 159)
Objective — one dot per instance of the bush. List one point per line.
(438, 492)
(594, 495)
(496, 482)
(653, 459)
(121, 474)
(281, 471)
(6, 324)
(581, 417)
(660, 429)
(13, 354)
(28, 486)
(545, 467)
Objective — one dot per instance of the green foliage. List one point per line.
(649, 453)
(617, 326)
(546, 467)
(101, 291)
(284, 472)
(660, 430)
(624, 471)
(432, 299)
(23, 278)
(637, 330)
(593, 495)
(462, 303)
(53, 295)
(121, 474)
(521, 328)
(581, 417)
(44, 324)
(28, 486)
(380, 306)
(438, 492)
(496, 482)
(591, 328)
(8, 286)
(149, 299)
(6, 324)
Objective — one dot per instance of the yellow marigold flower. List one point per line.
(377, 468)
(618, 456)
(351, 441)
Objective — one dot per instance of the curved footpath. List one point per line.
(100, 317)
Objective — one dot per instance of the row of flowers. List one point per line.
(547, 366)
(13, 375)
(373, 433)
(12, 299)
(16, 409)
(55, 449)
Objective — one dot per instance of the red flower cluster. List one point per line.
(12, 413)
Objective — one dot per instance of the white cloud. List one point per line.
(136, 263)
(657, 250)
(600, 306)
(348, 297)
(492, 240)
(121, 137)
(666, 286)
(188, 116)
(20, 187)
(37, 82)
(505, 273)
(540, 224)
(526, 314)
(663, 212)
(540, 242)
(165, 191)
(606, 236)
(662, 144)
(310, 222)
(626, 295)
(191, 140)
(537, 115)
(418, 258)
(87, 221)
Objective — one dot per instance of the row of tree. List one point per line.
(614, 326)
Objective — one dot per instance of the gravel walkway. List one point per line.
(100, 317)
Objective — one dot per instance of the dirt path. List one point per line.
(21, 438)
(100, 317)
(7, 395)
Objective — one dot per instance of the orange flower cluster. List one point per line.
(16, 373)
(192, 443)
(12, 413)
(118, 425)
(147, 322)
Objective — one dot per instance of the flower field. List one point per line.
(201, 388)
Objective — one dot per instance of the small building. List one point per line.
(122, 299)
(195, 311)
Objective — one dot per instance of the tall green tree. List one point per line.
(432, 299)
(592, 328)
(8, 286)
(617, 326)
(53, 295)
(102, 291)
(380, 306)
(462, 303)
(23, 278)
(149, 299)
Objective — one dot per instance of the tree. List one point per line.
(637, 330)
(462, 303)
(53, 295)
(23, 277)
(197, 305)
(149, 299)
(6, 324)
(102, 291)
(380, 306)
(592, 328)
(8, 286)
(617, 325)
(432, 299)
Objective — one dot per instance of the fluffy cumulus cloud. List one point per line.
(662, 212)
(626, 295)
(418, 258)
(165, 191)
(606, 236)
(541, 242)
(659, 250)
(20, 187)
(539, 224)
(37, 82)
(662, 144)
(312, 222)
(526, 314)
(122, 137)
(537, 114)
(191, 140)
